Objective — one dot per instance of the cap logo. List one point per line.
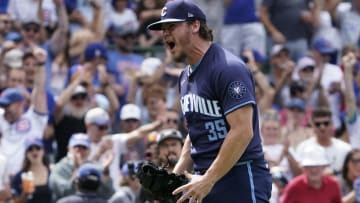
(97, 52)
(163, 11)
(190, 15)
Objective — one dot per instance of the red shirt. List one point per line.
(298, 191)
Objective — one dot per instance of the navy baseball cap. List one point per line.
(178, 11)
(89, 171)
(11, 95)
(94, 50)
(79, 139)
(33, 141)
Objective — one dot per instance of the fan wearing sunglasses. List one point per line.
(323, 127)
(35, 162)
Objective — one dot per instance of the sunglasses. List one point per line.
(33, 29)
(174, 121)
(79, 97)
(103, 127)
(355, 161)
(6, 21)
(296, 109)
(37, 148)
(308, 69)
(325, 123)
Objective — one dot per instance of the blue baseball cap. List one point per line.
(296, 103)
(94, 50)
(324, 46)
(258, 57)
(89, 171)
(33, 141)
(11, 95)
(178, 11)
(79, 139)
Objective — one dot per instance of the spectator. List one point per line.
(63, 176)
(24, 123)
(148, 11)
(130, 117)
(313, 185)
(350, 172)
(324, 53)
(347, 23)
(120, 15)
(335, 149)
(286, 24)
(169, 143)
(154, 99)
(352, 74)
(122, 61)
(88, 180)
(115, 144)
(242, 30)
(69, 113)
(5, 26)
(130, 185)
(37, 164)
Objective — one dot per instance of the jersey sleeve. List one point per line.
(235, 87)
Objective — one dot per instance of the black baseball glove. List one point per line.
(159, 182)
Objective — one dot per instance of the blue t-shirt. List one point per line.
(241, 11)
(219, 85)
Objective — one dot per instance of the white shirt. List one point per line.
(119, 148)
(12, 143)
(3, 172)
(127, 19)
(335, 153)
(26, 11)
(353, 130)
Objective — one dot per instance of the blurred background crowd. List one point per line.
(77, 120)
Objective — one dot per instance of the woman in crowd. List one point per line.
(350, 171)
(30, 184)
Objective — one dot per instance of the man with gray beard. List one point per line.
(70, 110)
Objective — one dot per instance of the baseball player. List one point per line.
(218, 102)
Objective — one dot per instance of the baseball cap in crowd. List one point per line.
(296, 103)
(178, 11)
(324, 46)
(89, 171)
(79, 139)
(13, 58)
(33, 141)
(149, 65)
(129, 28)
(94, 50)
(97, 116)
(169, 133)
(314, 155)
(13, 36)
(79, 90)
(11, 95)
(130, 111)
(305, 62)
(33, 25)
(277, 48)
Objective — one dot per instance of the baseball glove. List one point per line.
(159, 182)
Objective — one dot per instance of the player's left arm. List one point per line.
(233, 147)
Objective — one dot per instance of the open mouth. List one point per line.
(170, 44)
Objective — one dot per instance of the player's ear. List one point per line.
(195, 26)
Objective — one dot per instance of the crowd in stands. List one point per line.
(87, 94)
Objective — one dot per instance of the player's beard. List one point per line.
(76, 112)
(179, 58)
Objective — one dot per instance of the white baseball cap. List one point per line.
(97, 116)
(13, 58)
(314, 155)
(130, 111)
(149, 65)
